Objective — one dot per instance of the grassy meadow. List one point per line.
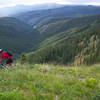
(50, 82)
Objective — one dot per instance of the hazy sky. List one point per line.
(4, 3)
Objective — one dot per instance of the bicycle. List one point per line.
(2, 66)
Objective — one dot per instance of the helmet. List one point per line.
(1, 50)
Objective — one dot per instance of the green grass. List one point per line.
(49, 82)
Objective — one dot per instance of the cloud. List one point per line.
(8, 2)
(4, 3)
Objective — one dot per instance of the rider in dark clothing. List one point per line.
(4, 55)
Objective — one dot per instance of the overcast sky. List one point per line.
(4, 3)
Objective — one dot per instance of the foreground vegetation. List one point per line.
(49, 82)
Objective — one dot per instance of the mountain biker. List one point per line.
(6, 57)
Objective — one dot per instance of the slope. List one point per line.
(16, 35)
(76, 45)
(35, 18)
(60, 25)
(48, 82)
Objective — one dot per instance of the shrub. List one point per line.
(11, 96)
(96, 97)
(91, 82)
(23, 59)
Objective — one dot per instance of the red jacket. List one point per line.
(4, 55)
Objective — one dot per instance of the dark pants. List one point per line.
(9, 61)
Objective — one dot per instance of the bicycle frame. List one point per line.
(2, 65)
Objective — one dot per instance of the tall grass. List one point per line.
(49, 82)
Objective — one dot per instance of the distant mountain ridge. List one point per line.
(36, 18)
(8, 11)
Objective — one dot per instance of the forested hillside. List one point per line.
(66, 35)
(16, 36)
(60, 25)
(74, 45)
